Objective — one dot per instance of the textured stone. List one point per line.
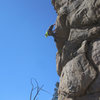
(62, 32)
(73, 74)
(78, 42)
(69, 50)
(71, 46)
(95, 96)
(80, 13)
(95, 53)
(58, 64)
(79, 35)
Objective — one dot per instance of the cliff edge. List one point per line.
(78, 44)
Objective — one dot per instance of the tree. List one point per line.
(55, 95)
(36, 89)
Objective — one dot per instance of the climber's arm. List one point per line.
(51, 27)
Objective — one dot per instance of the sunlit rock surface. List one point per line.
(78, 44)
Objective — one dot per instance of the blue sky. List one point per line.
(24, 51)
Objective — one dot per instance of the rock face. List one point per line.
(78, 44)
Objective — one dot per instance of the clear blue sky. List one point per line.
(24, 51)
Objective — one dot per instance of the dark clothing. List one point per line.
(51, 27)
(50, 31)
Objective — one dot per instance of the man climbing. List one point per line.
(51, 32)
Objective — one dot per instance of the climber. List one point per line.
(51, 32)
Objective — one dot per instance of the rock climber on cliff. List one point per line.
(51, 32)
(57, 39)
